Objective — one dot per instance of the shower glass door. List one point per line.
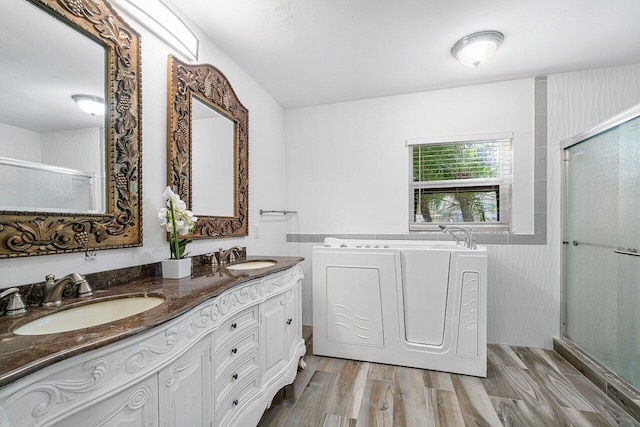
(602, 234)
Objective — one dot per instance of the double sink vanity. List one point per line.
(208, 350)
(212, 349)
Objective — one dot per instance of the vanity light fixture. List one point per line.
(163, 22)
(476, 48)
(90, 104)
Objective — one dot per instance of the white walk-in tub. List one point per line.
(409, 303)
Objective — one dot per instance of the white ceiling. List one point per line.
(309, 52)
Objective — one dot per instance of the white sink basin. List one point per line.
(92, 314)
(251, 265)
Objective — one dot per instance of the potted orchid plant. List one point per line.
(177, 221)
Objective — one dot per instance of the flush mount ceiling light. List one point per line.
(90, 104)
(164, 23)
(477, 48)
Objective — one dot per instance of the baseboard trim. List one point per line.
(618, 390)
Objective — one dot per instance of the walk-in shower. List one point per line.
(601, 233)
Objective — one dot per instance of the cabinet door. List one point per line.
(273, 333)
(185, 389)
(136, 406)
(293, 321)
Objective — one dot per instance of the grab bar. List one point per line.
(597, 245)
(628, 251)
(284, 212)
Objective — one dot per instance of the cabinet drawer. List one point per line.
(232, 405)
(235, 325)
(230, 352)
(235, 376)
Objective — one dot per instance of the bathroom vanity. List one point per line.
(214, 353)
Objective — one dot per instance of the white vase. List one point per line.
(176, 268)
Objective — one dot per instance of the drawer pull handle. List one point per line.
(235, 402)
(234, 350)
(289, 321)
(234, 325)
(234, 376)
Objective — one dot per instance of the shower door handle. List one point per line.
(630, 251)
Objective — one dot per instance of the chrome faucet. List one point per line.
(15, 305)
(235, 253)
(469, 241)
(54, 289)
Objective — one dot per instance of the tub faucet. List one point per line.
(15, 305)
(54, 289)
(469, 241)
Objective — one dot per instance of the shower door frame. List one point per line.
(600, 375)
(616, 120)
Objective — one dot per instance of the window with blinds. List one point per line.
(460, 180)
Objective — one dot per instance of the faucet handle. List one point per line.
(210, 259)
(84, 289)
(15, 304)
(49, 279)
(472, 245)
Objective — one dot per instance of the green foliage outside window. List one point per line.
(453, 162)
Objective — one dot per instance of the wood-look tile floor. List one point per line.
(524, 387)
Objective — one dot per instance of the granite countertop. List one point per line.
(21, 355)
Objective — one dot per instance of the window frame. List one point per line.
(504, 182)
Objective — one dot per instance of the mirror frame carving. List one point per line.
(211, 87)
(40, 233)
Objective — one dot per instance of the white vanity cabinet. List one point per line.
(219, 364)
(236, 370)
(279, 323)
(185, 388)
(136, 406)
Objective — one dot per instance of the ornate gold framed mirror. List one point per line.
(110, 217)
(208, 149)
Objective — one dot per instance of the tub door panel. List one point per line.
(351, 291)
(425, 284)
(354, 305)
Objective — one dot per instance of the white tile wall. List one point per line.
(19, 143)
(523, 277)
(580, 100)
(81, 149)
(523, 326)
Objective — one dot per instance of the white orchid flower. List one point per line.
(176, 219)
(179, 204)
(168, 192)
